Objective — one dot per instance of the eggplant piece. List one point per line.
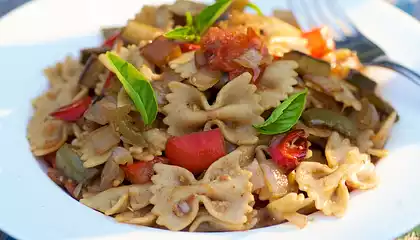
(362, 82)
(317, 117)
(91, 72)
(309, 65)
(161, 51)
(70, 164)
(381, 105)
(86, 53)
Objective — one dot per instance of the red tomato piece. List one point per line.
(73, 111)
(319, 42)
(111, 40)
(188, 47)
(289, 150)
(222, 46)
(196, 151)
(142, 172)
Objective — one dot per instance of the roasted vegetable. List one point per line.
(142, 172)
(381, 105)
(86, 53)
(368, 117)
(309, 65)
(135, 32)
(69, 163)
(73, 111)
(91, 72)
(287, 151)
(161, 51)
(317, 117)
(365, 84)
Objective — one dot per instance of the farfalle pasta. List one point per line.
(225, 192)
(181, 122)
(235, 109)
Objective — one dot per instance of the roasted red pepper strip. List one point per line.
(289, 150)
(142, 172)
(111, 40)
(73, 111)
(319, 42)
(108, 79)
(188, 47)
(196, 151)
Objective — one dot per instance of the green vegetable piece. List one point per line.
(210, 14)
(70, 164)
(285, 116)
(137, 87)
(320, 117)
(255, 8)
(189, 19)
(186, 33)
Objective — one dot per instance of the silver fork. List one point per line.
(315, 13)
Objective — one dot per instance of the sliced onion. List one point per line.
(257, 178)
(250, 59)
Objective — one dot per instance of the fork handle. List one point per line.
(387, 63)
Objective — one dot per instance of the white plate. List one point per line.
(33, 207)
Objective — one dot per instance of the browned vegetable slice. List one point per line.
(161, 51)
(381, 105)
(91, 72)
(361, 81)
(86, 53)
(317, 117)
(309, 65)
(368, 117)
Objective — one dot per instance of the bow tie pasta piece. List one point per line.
(140, 217)
(202, 78)
(276, 83)
(365, 177)
(205, 222)
(287, 208)
(336, 149)
(325, 186)
(46, 136)
(155, 143)
(225, 191)
(98, 145)
(364, 142)
(339, 151)
(120, 199)
(235, 110)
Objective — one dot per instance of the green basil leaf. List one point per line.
(285, 116)
(186, 33)
(255, 8)
(210, 14)
(137, 87)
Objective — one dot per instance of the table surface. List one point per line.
(410, 6)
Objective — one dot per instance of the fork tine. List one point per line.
(337, 13)
(302, 15)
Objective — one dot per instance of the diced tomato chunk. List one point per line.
(142, 172)
(319, 42)
(196, 151)
(73, 111)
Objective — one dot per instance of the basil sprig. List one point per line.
(285, 116)
(137, 87)
(199, 25)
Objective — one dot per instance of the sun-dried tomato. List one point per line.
(222, 46)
